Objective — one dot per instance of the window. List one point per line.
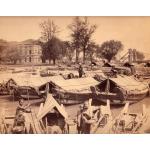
(30, 52)
(39, 51)
(29, 59)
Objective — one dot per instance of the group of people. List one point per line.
(86, 118)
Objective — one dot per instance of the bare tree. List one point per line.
(49, 30)
(51, 45)
(81, 33)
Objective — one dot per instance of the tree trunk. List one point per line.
(15, 61)
(109, 60)
(91, 58)
(77, 55)
(49, 61)
(54, 61)
(84, 56)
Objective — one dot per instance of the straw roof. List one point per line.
(129, 83)
(76, 84)
(26, 79)
(34, 81)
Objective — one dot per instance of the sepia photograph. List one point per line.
(74, 75)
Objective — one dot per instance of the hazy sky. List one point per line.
(134, 32)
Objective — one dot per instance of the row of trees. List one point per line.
(81, 40)
(81, 32)
(8, 51)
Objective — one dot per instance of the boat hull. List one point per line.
(70, 98)
(114, 99)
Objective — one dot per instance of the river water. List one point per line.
(7, 103)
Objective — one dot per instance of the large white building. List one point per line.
(30, 52)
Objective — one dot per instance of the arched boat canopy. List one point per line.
(76, 84)
(127, 83)
(50, 104)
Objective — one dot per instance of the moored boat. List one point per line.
(72, 91)
(120, 90)
(52, 116)
(26, 87)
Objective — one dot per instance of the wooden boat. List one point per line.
(126, 122)
(26, 87)
(72, 91)
(142, 72)
(3, 89)
(104, 120)
(120, 90)
(5, 78)
(131, 122)
(31, 125)
(46, 73)
(52, 116)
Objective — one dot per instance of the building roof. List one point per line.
(30, 41)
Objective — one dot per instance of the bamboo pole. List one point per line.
(46, 124)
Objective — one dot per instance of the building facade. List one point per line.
(30, 53)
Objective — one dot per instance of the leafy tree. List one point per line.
(92, 49)
(68, 50)
(3, 46)
(81, 33)
(139, 55)
(51, 45)
(12, 54)
(51, 49)
(110, 49)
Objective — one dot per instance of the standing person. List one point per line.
(114, 72)
(80, 70)
(79, 119)
(86, 120)
(22, 107)
(19, 122)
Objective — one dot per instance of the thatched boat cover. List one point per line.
(50, 103)
(35, 81)
(76, 84)
(24, 79)
(32, 81)
(129, 83)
